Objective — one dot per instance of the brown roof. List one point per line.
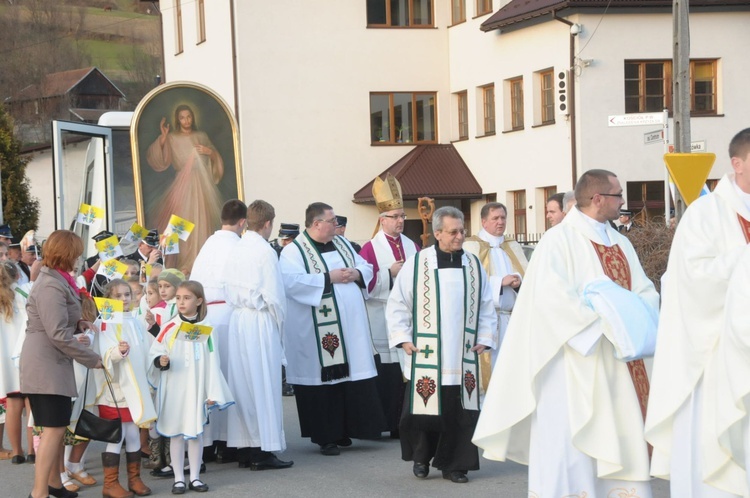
(58, 84)
(524, 10)
(436, 171)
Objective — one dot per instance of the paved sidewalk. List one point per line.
(366, 469)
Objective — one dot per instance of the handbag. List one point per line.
(94, 427)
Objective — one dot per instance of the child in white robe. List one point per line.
(189, 383)
(124, 350)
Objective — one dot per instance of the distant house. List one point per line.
(76, 95)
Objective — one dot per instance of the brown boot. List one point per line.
(112, 488)
(135, 484)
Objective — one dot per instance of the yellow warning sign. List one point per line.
(690, 172)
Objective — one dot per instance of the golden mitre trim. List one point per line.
(387, 193)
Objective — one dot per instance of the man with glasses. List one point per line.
(505, 263)
(560, 400)
(440, 314)
(386, 252)
(326, 335)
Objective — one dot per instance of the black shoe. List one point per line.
(457, 476)
(287, 390)
(61, 492)
(270, 462)
(163, 473)
(17, 459)
(31, 458)
(227, 455)
(329, 449)
(395, 434)
(177, 489)
(421, 470)
(201, 487)
(344, 442)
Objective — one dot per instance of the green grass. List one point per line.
(106, 55)
(116, 13)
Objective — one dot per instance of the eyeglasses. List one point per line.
(394, 216)
(454, 233)
(332, 221)
(610, 195)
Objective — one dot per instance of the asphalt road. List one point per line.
(366, 469)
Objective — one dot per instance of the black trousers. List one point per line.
(391, 387)
(331, 412)
(446, 439)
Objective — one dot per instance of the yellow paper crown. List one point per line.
(387, 193)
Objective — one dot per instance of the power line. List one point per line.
(597, 27)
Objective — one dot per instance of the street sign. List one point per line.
(653, 137)
(637, 119)
(699, 146)
(690, 172)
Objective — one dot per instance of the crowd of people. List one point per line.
(452, 348)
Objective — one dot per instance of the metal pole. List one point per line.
(681, 85)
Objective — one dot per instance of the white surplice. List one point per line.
(193, 379)
(304, 292)
(399, 313)
(683, 415)
(128, 373)
(255, 294)
(10, 331)
(378, 297)
(558, 399)
(208, 269)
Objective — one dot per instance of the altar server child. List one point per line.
(168, 281)
(186, 372)
(124, 350)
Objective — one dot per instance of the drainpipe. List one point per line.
(572, 99)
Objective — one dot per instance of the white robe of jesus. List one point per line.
(571, 414)
(304, 291)
(688, 405)
(255, 294)
(208, 269)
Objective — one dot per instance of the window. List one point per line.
(463, 115)
(402, 118)
(201, 15)
(484, 7)
(488, 108)
(399, 13)
(519, 214)
(177, 27)
(646, 196)
(516, 103)
(458, 11)
(547, 96)
(648, 86)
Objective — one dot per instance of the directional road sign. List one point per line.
(637, 119)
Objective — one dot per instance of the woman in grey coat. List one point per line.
(47, 377)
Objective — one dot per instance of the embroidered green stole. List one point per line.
(426, 364)
(330, 340)
(22, 293)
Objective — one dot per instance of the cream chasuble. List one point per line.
(688, 422)
(558, 400)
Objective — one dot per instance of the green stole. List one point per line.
(330, 339)
(426, 364)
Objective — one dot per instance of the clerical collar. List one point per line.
(599, 227)
(395, 240)
(323, 246)
(744, 196)
(192, 319)
(448, 259)
(493, 240)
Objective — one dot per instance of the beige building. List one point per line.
(459, 97)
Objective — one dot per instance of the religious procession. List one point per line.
(570, 362)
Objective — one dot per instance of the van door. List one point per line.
(82, 163)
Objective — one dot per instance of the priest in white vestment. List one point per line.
(505, 263)
(559, 401)
(691, 408)
(327, 336)
(208, 269)
(386, 252)
(447, 290)
(255, 293)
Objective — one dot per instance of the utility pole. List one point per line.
(680, 86)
